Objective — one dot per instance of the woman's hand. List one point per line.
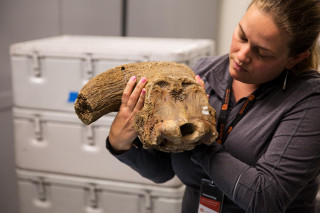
(200, 81)
(122, 132)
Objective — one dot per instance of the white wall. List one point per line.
(173, 18)
(213, 19)
(230, 13)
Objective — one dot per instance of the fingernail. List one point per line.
(143, 91)
(133, 78)
(143, 80)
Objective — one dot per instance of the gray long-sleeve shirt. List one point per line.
(270, 160)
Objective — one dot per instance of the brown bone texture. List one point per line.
(176, 115)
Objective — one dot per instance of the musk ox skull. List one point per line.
(176, 115)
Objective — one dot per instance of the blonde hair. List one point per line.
(301, 20)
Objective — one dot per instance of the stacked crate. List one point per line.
(62, 165)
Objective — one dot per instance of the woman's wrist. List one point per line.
(118, 146)
(115, 150)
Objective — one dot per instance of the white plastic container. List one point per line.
(48, 73)
(57, 142)
(40, 192)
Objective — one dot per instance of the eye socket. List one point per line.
(187, 83)
(162, 84)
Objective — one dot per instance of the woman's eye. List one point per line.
(242, 37)
(260, 55)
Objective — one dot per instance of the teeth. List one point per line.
(205, 110)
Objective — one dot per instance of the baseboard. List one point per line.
(6, 100)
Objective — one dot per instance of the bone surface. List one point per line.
(176, 115)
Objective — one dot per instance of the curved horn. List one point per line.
(102, 94)
(99, 96)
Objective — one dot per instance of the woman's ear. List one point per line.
(296, 59)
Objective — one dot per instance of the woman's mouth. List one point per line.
(238, 67)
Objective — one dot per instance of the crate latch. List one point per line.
(148, 202)
(89, 72)
(90, 135)
(38, 134)
(36, 64)
(93, 196)
(41, 189)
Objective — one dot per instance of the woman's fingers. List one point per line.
(135, 95)
(127, 91)
(140, 102)
(200, 81)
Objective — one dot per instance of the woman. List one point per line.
(270, 159)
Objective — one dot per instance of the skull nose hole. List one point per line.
(187, 129)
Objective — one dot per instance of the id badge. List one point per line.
(211, 198)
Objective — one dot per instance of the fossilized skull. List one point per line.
(176, 115)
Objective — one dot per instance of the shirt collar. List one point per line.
(217, 78)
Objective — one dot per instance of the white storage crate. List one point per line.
(48, 73)
(58, 142)
(47, 193)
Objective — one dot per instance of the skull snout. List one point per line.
(187, 132)
(187, 129)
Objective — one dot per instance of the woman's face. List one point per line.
(259, 51)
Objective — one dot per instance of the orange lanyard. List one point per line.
(223, 134)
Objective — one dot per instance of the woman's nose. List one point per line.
(244, 53)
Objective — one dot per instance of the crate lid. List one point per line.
(115, 48)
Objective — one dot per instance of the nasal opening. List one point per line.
(187, 129)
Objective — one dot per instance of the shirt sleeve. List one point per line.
(290, 162)
(152, 164)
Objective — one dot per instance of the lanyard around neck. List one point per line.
(224, 132)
